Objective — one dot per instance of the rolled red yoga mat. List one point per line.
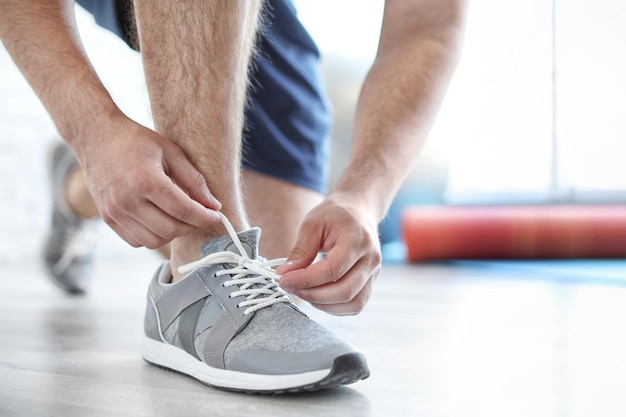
(514, 232)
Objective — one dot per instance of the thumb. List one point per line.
(304, 251)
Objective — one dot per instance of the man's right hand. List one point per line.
(144, 186)
(142, 183)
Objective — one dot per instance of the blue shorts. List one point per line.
(288, 117)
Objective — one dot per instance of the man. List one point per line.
(222, 319)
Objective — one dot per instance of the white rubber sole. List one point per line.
(176, 359)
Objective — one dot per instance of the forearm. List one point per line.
(42, 38)
(398, 103)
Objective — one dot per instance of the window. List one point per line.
(545, 98)
(536, 111)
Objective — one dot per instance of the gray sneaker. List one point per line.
(229, 325)
(69, 247)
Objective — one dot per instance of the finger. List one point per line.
(121, 232)
(332, 268)
(342, 291)
(305, 250)
(132, 231)
(168, 197)
(161, 223)
(355, 306)
(191, 180)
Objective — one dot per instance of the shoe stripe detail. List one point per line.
(222, 293)
(228, 323)
(178, 298)
(218, 338)
(187, 326)
(211, 309)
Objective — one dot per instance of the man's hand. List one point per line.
(144, 186)
(341, 283)
(142, 183)
(417, 53)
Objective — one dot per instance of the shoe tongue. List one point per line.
(249, 240)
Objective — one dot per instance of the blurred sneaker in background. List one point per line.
(69, 247)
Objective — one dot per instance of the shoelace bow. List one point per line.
(261, 289)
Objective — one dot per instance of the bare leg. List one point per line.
(196, 57)
(281, 214)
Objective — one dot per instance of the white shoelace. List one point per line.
(261, 290)
(78, 242)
